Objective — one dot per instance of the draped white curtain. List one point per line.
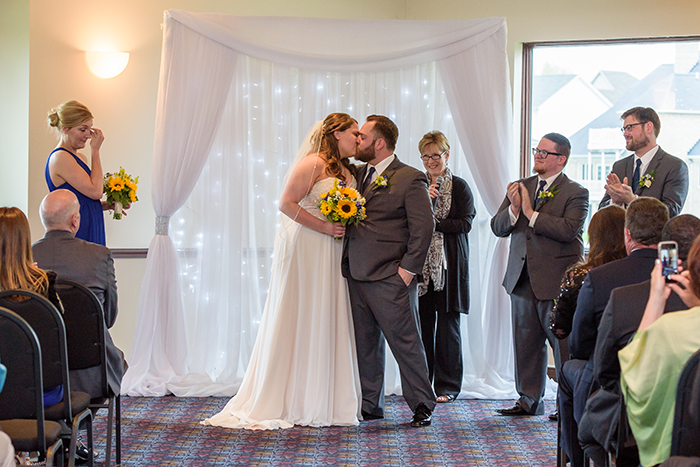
(236, 95)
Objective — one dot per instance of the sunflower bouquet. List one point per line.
(343, 204)
(120, 189)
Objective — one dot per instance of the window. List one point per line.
(580, 89)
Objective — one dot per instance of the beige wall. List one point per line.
(124, 107)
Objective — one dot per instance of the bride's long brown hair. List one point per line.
(17, 270)
(328, 145)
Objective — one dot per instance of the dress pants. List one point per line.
(442, 341)
(531, 332)
(388, 309)
(569, 379)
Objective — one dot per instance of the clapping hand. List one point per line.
(513, 193)
(619, 191)
(525, 202)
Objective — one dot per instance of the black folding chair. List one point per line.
(686, 418)
(85, 328)
(22, 398)
(47, 323)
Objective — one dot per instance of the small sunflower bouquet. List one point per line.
(343, 204)
(120, 189)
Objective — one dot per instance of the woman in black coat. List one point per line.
(444, 291)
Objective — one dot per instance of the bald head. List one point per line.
(60, 210)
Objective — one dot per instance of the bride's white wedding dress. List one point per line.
(303, 370)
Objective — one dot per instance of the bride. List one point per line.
(303, 369)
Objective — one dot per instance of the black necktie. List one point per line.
(368, 180)
(539, 190)
(635, 177)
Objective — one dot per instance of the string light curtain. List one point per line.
(236, 96)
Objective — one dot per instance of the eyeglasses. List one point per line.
(543, 154)
(629, 127)
(427, 157)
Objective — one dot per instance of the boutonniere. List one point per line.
(647, 180)
(381, 182)
(546, 195)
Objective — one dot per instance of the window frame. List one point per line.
(528, 49)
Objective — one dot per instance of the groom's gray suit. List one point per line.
(397, 232)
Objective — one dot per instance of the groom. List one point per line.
(381, 257)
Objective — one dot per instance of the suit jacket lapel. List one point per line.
(557, 181)
(653, 165)
(531, 185)
(361, 177)
(388, 172)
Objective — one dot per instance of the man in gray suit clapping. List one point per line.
(544, 216)
(650, 171)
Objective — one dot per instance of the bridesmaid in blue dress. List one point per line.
(66, 168)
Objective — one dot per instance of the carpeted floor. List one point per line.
(165, 431)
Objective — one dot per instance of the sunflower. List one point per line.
(347, 191)
(116, 184)
(346, 208)
(325, 208)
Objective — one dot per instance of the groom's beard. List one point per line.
(366, 155)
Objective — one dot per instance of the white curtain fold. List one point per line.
(190, 102)
(237, 123)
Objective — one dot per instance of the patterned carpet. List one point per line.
(165, 431)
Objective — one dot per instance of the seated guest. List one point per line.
(618, 324)
(18, 271)
(606, 243)
(644, 221)
(87, 263)
(652, 362)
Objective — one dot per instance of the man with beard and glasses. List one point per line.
(381, 258)
(543, 215)
(650, 171)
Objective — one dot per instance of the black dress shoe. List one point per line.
(369, 416)
(554, 416)
(422, 416)
(516, 410)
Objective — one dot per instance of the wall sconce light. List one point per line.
(107, 64)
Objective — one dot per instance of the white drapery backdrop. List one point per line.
(236, 95)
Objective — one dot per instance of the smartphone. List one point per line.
(668, 255)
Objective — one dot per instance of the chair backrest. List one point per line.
(20, 351)
(85, 327)
(47, 323)
(686, 420)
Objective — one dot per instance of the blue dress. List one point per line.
(92, 221)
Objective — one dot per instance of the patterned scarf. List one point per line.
(434, 267)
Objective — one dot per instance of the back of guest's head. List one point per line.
(562, 142)
(68, 115)
(606, 236)
(645, 220)
(384, 129)
(694, 267)
(683, 230)
(644, 114)
(17, 270)
(57, 210)
(436, 138)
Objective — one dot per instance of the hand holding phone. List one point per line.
(668, 255)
